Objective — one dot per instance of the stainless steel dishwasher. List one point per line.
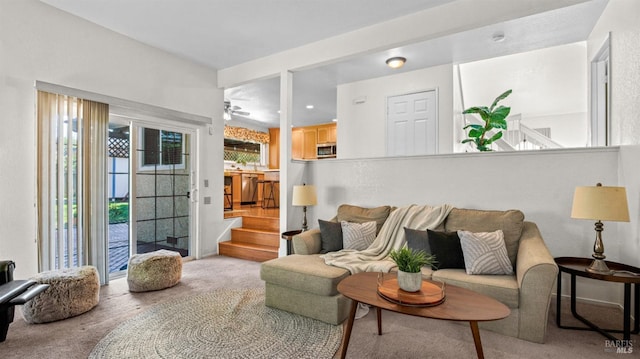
(249, 188)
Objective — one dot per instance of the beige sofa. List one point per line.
(302, 283)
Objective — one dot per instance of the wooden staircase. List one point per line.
(257, 240)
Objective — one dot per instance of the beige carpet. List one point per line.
(403, 336)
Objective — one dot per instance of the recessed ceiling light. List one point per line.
(498, 36)
(396, 62)
(309, 107)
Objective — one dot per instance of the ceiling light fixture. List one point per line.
(396, 62)
(309, 107)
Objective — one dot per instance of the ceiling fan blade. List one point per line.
(241, 113)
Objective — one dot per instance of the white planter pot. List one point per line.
(409, 282)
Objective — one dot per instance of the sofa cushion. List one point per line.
(306, 273)
(417, 240)
(350, 213)
(504, 288)
(445, 246)
(358, 236)
(485, 252)
(330, 236)
(473, 220)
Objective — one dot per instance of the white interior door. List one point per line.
(412, 124)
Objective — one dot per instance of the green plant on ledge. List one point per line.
(409, 260)
(493, 118)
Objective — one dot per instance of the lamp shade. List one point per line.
(304, 196)
(600, 203)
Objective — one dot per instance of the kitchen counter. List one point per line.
(231, 172)
(244, 190)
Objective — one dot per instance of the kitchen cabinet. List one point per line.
(297, 143)
(304, 140)
(236, 185)
(309, 143)
(274, 148)
(327, 133)
(237, 189)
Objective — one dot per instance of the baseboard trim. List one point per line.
(591, 301)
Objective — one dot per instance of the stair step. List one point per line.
(261, 223)
(254, 236)
(252, 252)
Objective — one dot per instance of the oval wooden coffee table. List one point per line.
(460, 304)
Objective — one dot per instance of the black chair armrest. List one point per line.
(13, 289)
(29, 294)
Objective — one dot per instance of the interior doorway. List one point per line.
(600, 97)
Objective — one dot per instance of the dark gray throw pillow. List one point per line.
(417, 240)
(447, 249)
(330, 235)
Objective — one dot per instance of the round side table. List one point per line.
(622, 273)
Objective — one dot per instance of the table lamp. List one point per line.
(304, 196)
(600, 203)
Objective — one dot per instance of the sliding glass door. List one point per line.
(151, 182)
(118, 164)
(163, 191)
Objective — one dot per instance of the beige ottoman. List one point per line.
(154, 270)
(71, 292)
(304, 285)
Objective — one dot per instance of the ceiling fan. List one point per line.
(233, 110)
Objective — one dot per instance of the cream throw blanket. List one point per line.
(391, 236)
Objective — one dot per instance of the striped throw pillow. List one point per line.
(485, 253)
(358, 236)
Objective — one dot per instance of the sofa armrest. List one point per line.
(536, 272)
(308, 242)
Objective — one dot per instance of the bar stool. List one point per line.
(228, 193)
(269, 196)
(254, 196)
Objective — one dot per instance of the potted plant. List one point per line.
(409, 263)
(493, 117)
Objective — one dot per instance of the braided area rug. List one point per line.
(227, 323)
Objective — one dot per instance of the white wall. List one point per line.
(39, 42)
(549, 89)
(628, 238)
(620, 20)
(540, 183)
(362, 128)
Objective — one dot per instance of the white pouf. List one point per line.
(71, 292)
(154, 270)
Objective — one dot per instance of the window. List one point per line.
(242, 151)
(162, 149)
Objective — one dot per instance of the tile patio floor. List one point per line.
(119, 247)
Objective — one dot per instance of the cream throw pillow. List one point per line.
(485, 253)
(358, 236)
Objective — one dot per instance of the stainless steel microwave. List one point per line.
(326, 150)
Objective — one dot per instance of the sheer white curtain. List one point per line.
(72, 190)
